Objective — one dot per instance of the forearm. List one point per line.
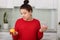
(40, 35)
(14, 37)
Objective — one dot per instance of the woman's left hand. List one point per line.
(43, 28)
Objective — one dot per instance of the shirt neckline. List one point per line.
(28, 21)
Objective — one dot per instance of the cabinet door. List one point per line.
(17, 2)
(6, 3)
(20, 2)
(32, 3)
(49, 36)
(3, 3)
(9, 3)
(46, 4)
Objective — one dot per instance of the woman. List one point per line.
(27, 28)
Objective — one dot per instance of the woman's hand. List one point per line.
(43, 28)
(13, 32)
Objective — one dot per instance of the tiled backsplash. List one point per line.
(46, 16)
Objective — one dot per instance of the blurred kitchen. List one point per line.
(47, 11)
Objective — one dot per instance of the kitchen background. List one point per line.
(47, 11)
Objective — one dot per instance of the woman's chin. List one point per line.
(25, 18)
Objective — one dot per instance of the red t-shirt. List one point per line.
(27, 30)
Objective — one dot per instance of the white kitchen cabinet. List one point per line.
(6, 3)
(46, 4)
(5, 36)
(50, 36)
(20, 2)
(32, 3)
(42, 4)
(17, 2)
(58, 25)
(10, 4)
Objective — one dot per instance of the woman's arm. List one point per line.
(40, 34)
(42, 28)
(15, 35)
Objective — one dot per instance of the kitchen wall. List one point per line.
(9, 15)
(46, 16)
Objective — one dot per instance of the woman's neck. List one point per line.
(29, 19)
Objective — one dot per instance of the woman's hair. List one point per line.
(26, 6)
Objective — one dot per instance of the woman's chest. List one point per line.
(28, 27)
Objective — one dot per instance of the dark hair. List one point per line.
(26, 6)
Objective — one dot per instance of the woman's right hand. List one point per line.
(43, 28)
(13, 32)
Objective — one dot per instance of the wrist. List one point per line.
(40, 30)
